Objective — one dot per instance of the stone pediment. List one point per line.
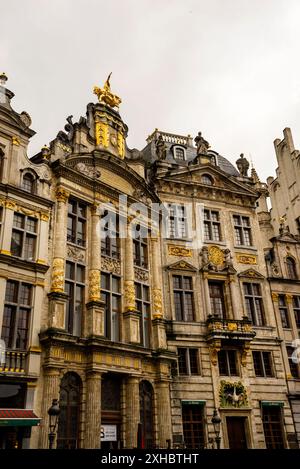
(21, 121)
(220, 179)
(182, 265)
(251, 273)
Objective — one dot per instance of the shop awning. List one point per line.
(18, 418)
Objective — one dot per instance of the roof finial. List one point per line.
(3, 79)
(106, 96)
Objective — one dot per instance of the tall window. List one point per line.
(193, 425)
(111, 295)
(272, 422)
(254, 303)
(263, 364)
(16, 317)
(110, 242)
(188, 361)
(294, 367)
(142, 298)
(212, 226)
(283, 310)
(216, 293)
(24, 236)
(177, 221)
(291, 268)
(140, 251)
(69, 403)
(76, 230)
(227, 362)
(242, 230)
(296, 307)
(146, 415)
(179, 154)
(183, 298)
(28, 183)
(74, 287)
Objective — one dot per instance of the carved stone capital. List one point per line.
(61, 195)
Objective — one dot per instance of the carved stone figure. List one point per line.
(201, 144)
(242, 165)
(106, 96)
(228, 258)
(161, 149)
(69, 127)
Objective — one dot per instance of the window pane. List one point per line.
(189, 305)
(11, 294)
(182, 362)
(232, 362)
(8, 325)
(18, 220)
(176, 281)
(80, 277)
(31, 224)
(29, 247)
(178, 306)
(187, 283)
(70, 270)
(16, 243)
(25, 294)
(267, 359)
(22, 328)
(116, 284)
(194, 365)
(222, 362)
(258, 366)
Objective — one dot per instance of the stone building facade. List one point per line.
(143, 331)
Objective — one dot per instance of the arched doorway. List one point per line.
(146, 433)
(69, 403)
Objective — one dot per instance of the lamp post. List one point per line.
(216, 421)
(53, 420)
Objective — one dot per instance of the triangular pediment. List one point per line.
(221, 180)
(251, 273)
(182, 265)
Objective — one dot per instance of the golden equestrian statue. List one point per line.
(106, 96)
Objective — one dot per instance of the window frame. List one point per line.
(108, 248)
(72, 302)
(186, 354)
(210, 223)
(291, 269)
(143, 305)
(240, 228)
(229, 371)
(183, 293)
(284, 312)
(262, 354)
(177, 226)
(294, 367)
(33, 182)
(253, 297)
(25, 234)
(183, 150)
(75, 217)
(221, 297)
(296, 310)
(112, 333)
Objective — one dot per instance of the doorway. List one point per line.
(236, 431)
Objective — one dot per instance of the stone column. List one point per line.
(10, 207)
(95, 316)
(158, 322)
(234, 298)
(93, 410)
(50, 392)
(57, 297)
(132, 411)
(131, 315)
(164, 425)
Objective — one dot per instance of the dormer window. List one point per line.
(207, 179)
(179, 153)
(28, 183)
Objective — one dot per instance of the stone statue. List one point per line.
(106, 96)
(201, 144)
(228, 258)
(161, 149)
(242, 165)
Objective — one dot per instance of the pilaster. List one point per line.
(50, 392)
(164, 424)
(93, 410)
(132, 411)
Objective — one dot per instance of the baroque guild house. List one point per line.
(143, 289)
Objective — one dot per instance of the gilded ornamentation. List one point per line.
(106, 96)
(247, 328)
(64, 147)
(214, 348)
(289, 298)
(216, 255)
(179, 251)
(76, 254)
(233, 394)
(101, 134)
(44, 216)
(157, 302)
(121, 144)
(129, 295)
(15, 141)
(275, 297)
(111, 265)
(94, 285)
(246, 259)
(57, 284)
(10, 205)
(141, 275)
(61, 195)
(245, 353)
(232, 326)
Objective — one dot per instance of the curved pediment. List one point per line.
(251, 273)
(182, 265)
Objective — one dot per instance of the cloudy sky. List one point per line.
(229, 68)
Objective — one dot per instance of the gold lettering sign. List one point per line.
(179, 251)
(246, 259)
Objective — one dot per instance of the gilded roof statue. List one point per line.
(106, 96)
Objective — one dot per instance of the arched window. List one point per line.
(207, 179)
(179, 153)
(291, 268)
(146, 430)
(28, 183)
(69, 403)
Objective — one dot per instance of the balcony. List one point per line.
(229, 329)
(13, 362)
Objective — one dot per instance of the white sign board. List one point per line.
(108, 432)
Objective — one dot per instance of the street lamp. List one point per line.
(216, 421)
(53, 420)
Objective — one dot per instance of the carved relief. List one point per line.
(101, 134)
(94, 285)
(275, 297)
(214, 348)
(141, 275)
(157, 302)
(129, 295)
(15, 141)
(216, 255)
(88, 170)
(75, 254)
(179, 251)
(57, 284)
(121, 144)
(10, 205)
(233, 394)
(111, 265)
(61, 195)
(246, 259)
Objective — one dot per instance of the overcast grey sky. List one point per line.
(229, 68)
